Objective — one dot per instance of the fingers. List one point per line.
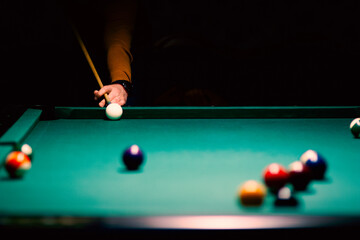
(102, 91)
(96, 95)
(116, 94)
(99, 94)
(102, 103)
(121, 100)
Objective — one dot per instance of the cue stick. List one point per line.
(82, 45)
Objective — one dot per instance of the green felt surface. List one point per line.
(192, 166)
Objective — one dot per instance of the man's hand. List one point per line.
(116, 92)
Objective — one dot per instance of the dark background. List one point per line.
(204, 52)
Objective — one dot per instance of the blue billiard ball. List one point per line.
(133, 157)
(315, 162)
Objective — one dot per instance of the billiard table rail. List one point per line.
(208, 112)
(19, 130)
(197, 223)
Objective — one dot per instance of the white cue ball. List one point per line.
(26, 149)
(114, 111)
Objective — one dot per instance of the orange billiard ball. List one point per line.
(252, 193)
(17, 164)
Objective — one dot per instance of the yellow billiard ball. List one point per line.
(252, 193)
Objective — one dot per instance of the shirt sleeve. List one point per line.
(120, 18)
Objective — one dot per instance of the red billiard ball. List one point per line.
(133, 157)
(275, 176)
(17, 164)
(299, 175)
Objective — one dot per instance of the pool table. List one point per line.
(195, 160)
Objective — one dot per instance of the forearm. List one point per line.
(118, 35)
(119, 63)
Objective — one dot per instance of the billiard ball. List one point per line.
(299, 175)
(114, 111)
(355, 127)
(275, 176)
(133, 157)
(315, 162)
(17, 164)
(25, 148)
(252, 193)
(285, 198)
